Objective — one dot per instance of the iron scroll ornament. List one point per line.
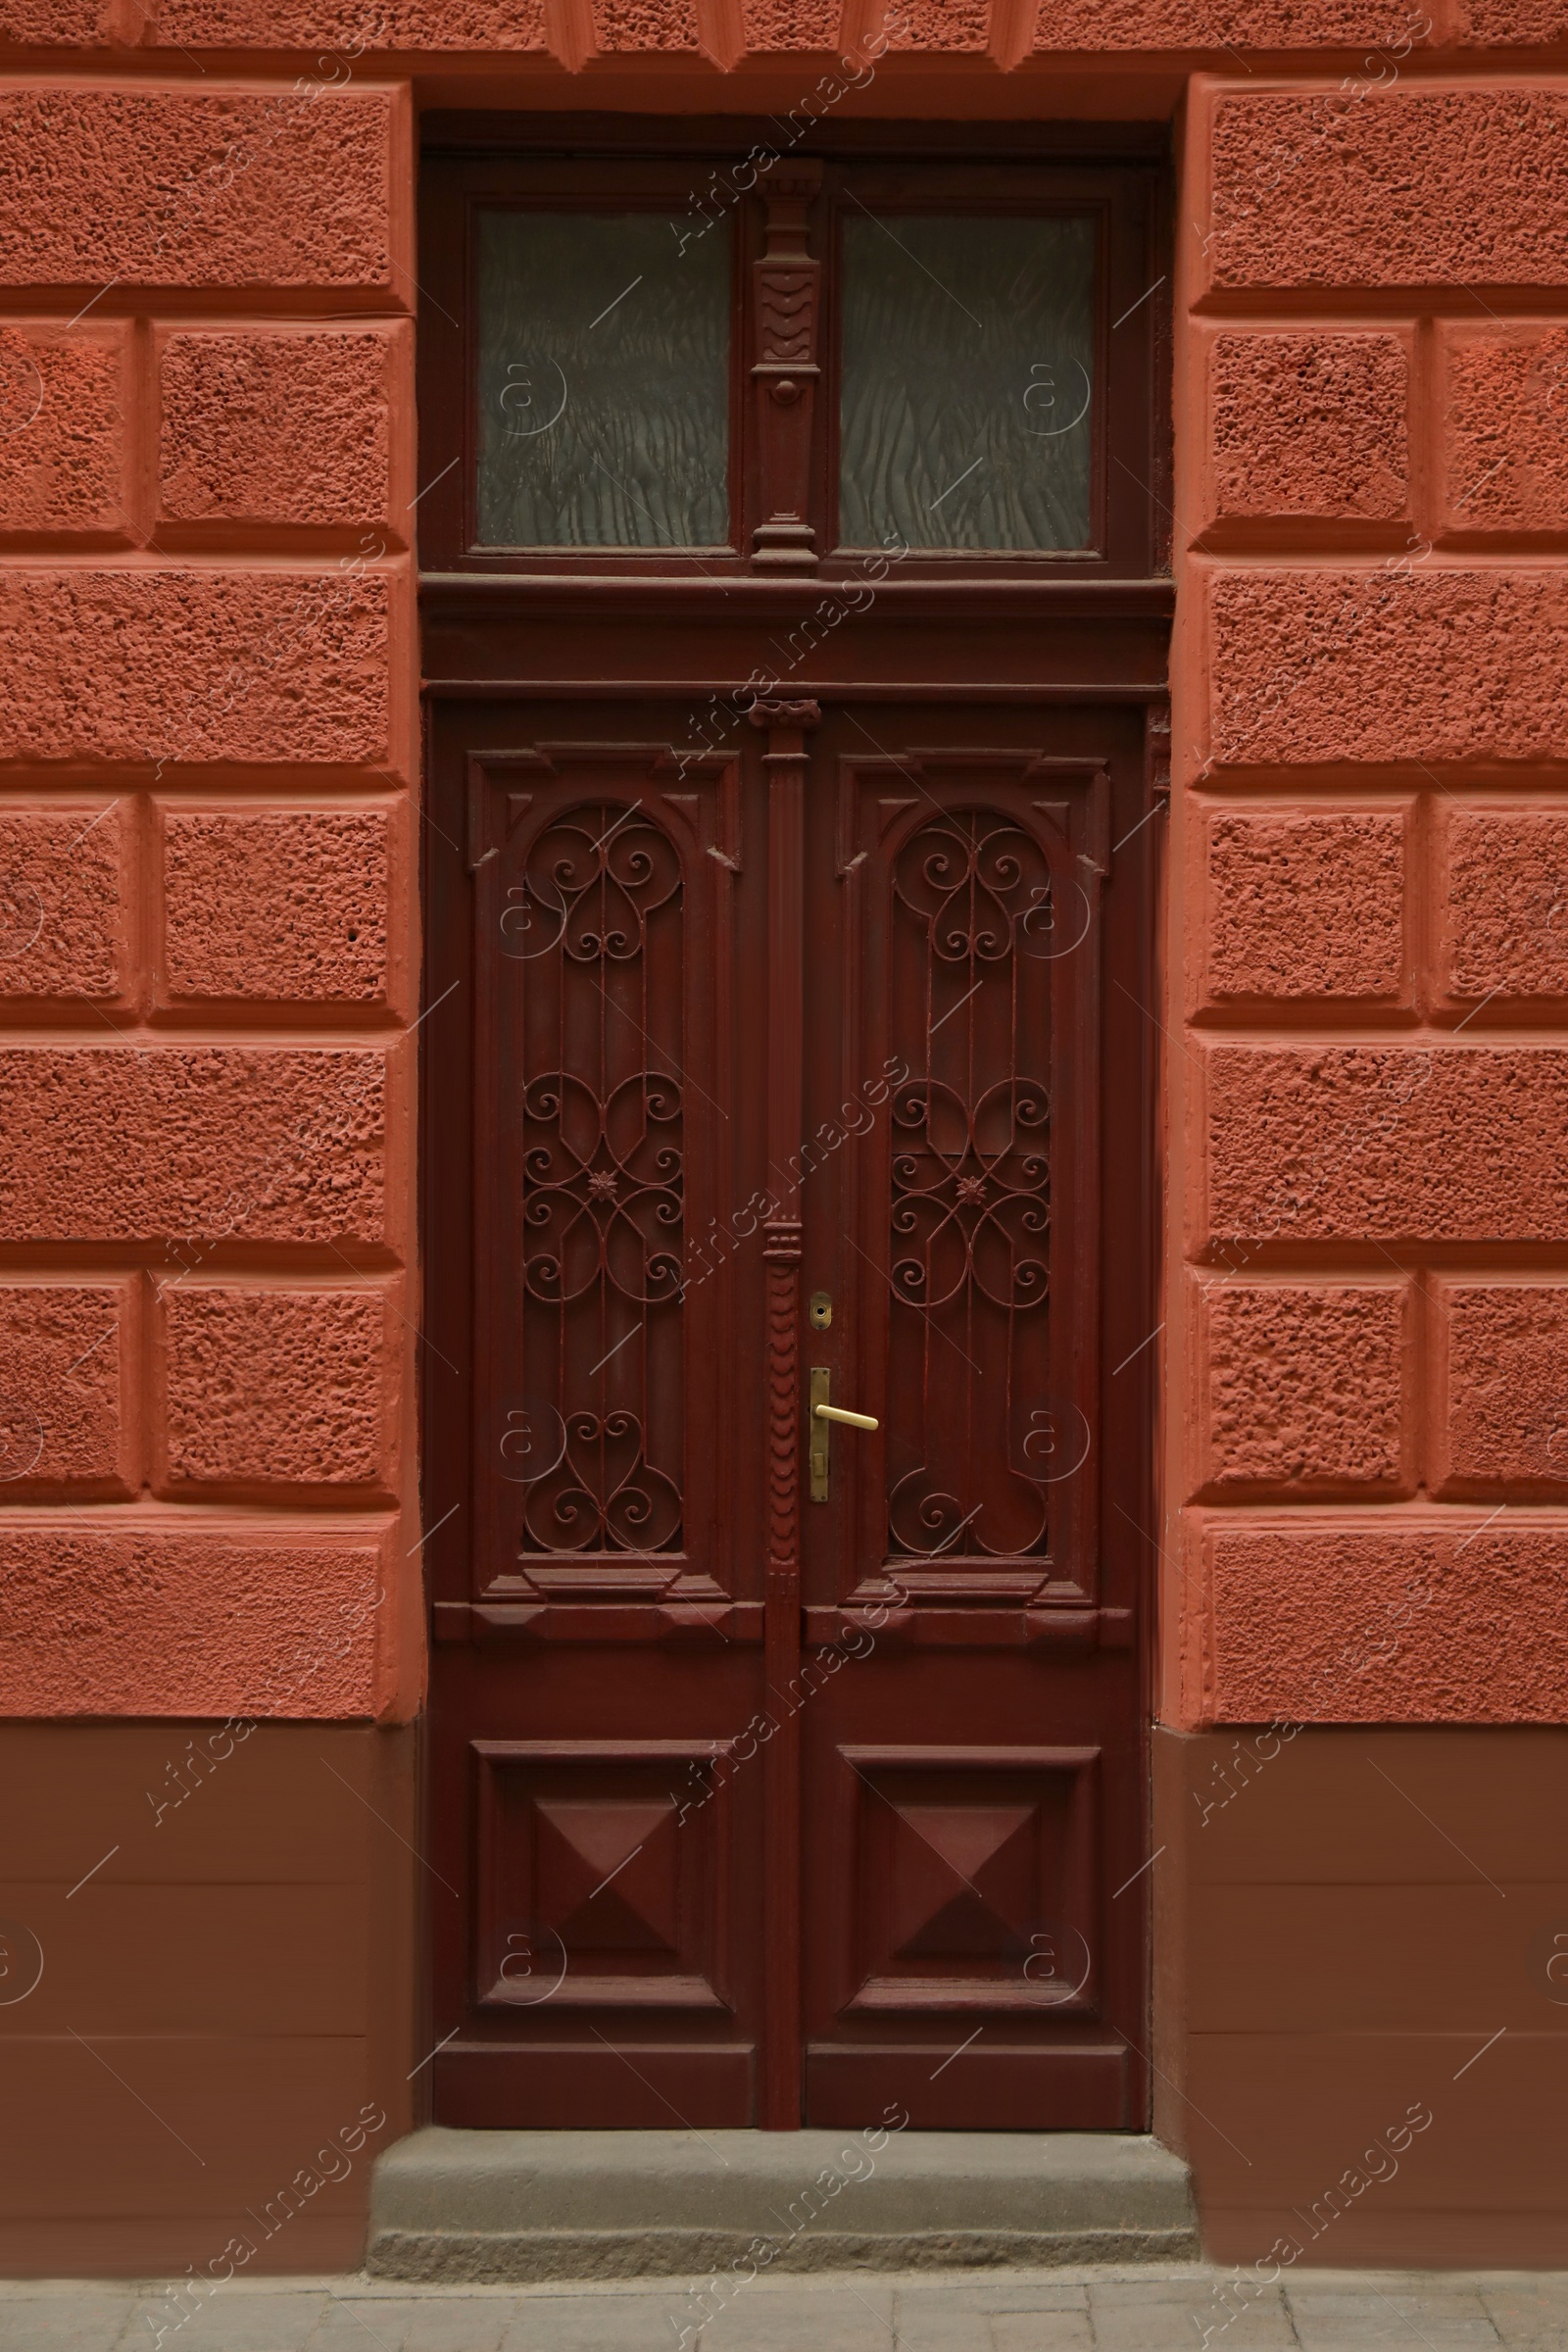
(974, 922)
(603, 1178)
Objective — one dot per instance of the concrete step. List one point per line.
(503, 2206)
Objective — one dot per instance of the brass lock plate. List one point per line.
(819, 1437)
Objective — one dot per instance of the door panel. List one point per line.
(604, 983)
(598, 1617)
(967, 881)
(973, 1766)
(957, 1858)
(592, 1892)
(798, 1060)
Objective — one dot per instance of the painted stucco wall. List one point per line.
(208, 838)
(207, 917)
(1367, 1326)
(208, 834)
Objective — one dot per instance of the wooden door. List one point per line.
(787, 1047)
(971, 1772)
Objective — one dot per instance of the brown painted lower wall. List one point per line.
(1344, 1921)
(226, 1998)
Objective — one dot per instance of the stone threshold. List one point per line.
(524, 2207)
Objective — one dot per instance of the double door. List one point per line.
(787, 1768)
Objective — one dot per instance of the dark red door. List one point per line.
(775, 1757)
(971, 1792)
(787, 1049)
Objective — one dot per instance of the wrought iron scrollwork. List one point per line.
(603, 1178)
(604, 1495)
(962, 1213)
(603, 1189)
(969, 1215)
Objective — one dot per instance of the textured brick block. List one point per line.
(1406, 1623)
(265, 427)
(1428, 662)
(1506, 919)
(63, 428)
(56, 24)
(1319, 1143)
(342, 25)
(63, 1420)
(644, 24)
(154, 1619)
(1508, 24)
(282, 905)
(943, 25)
(1221, 24)
(1503, 1417)
(201, 1143)
(179, 187)
(274, 1387)
(791, 25)
(1407, 187)
(1502, 398)
(62, 922)
(1308, 425)
(195, 665)
(1305, 905)
(1305, 1383)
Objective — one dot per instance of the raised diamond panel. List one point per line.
(602, 1875)
(973, 1877)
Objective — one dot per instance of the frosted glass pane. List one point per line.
(967, 413)
(603, 381)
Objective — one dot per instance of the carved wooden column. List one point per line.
(785, 372)
(786, 762)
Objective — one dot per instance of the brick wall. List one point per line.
(209, 950)
(1369, 1402)
(209, 958)
(205, 494)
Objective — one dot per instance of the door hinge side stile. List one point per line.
(479, 853)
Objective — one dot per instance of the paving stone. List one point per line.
(359, 2323)
(1340, 2319)
(1042, 2332)
(455, 2323)
(590, 2323)
(84, 2322)
(1338, 2312)
(452, 2324)
(1003, 2295)
(1135, 2318)
(947, 2319)
(1530, 2314)
(226, 2322)
(835, 2316)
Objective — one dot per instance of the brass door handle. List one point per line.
(822, 1417)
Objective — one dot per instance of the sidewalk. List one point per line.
(1166, 2309)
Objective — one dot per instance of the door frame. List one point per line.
(1084, 633)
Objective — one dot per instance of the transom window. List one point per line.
(784, 367)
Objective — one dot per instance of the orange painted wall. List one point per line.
(210, 958)
(1367, 1326)
(209, 828)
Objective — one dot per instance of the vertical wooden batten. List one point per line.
(787, 726)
